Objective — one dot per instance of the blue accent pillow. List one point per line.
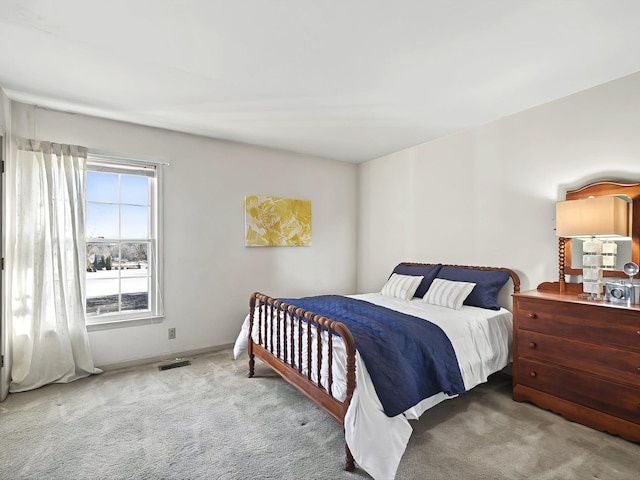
(429, 272)
(488, 284)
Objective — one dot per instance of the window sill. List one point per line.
(129, 322)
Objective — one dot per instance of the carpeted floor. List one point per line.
(208, 421)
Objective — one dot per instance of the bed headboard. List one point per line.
(504, 298)
(514, 276)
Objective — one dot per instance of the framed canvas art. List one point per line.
(276, 222)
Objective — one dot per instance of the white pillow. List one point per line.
(447, 293)
(401, 286)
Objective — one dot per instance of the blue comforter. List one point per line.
(408, 358)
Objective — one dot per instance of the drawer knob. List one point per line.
(532, 373)
(533, 315)
(534, 345)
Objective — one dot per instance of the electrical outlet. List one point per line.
(172, 333)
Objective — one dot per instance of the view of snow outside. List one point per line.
(118, 277)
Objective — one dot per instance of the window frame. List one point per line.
(110, 163)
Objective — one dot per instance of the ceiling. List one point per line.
(350, 80)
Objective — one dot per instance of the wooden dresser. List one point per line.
(579, 358)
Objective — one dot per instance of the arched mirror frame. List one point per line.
(599, 189)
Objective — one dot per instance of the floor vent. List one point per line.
(184, 363)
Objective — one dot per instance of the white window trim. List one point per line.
(104, 161)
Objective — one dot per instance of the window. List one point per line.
(123, 254)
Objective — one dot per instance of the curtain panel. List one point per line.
(46, 263)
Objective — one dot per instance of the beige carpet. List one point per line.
(208, 421)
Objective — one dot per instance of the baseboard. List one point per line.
(159, 358)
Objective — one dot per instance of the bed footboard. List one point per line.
(299, 345)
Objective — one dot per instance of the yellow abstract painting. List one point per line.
(275, 221)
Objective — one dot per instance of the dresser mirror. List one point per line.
(570, 250)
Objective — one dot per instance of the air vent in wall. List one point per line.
(168, 366)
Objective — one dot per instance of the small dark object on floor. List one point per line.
(184, 363)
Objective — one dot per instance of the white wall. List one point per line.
(209, 273)
(487, 196)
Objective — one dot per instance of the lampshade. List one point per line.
(592, 217)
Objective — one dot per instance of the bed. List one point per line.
(345, 355)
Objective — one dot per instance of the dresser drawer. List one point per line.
(615, 399)
(613, 363)
(590, 323)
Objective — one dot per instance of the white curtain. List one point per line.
(46, 262)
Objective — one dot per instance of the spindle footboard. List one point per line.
(299, 345)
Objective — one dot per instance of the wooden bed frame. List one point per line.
(272, 316)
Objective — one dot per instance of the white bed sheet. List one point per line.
(482, 342)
